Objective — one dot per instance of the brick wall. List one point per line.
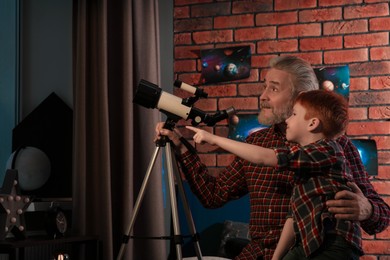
(324, 32)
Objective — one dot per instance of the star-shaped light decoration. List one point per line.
(12, 207)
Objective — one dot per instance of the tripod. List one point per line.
(177, 238)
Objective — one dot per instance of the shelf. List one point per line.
(44, 248)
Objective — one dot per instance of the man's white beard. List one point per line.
(277, 116)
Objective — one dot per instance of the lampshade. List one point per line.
(33, 167)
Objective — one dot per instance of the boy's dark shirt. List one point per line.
(320, 172)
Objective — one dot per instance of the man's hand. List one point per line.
(350, 205)
(174, 135)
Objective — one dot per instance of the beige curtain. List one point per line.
(116, 45)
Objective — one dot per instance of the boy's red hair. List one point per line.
(329, 107)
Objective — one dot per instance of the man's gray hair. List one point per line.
(302, 73)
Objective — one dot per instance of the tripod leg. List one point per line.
(175, 217)
(138, 203)
(190, 220)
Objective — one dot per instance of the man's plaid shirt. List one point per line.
(270, 191)
(320, 172)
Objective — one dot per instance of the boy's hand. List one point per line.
(201, 136)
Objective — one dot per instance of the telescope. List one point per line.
(149, 95)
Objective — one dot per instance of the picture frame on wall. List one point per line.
(225, 64)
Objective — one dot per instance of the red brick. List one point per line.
(188, 2)
(382, 112)
(380, 53)
(185, 65)
(366, 236)
(225, 90)
(263, 74)
(222, 130)
(323, 43)
(299, 30)
(368, 257)
(345, 56)
(345, 27)
(181, 12)
(249, 103)
(212, 9)
(383, 172)
(251, 6)
(261, 61)
(187, 52)
(369, 97)
(196, 24)
(199, 65)
(380, 82)
(234, 21)
(277, 46)
(369, 68)
(252, 89)
(380, 24)
(191, 78)
(384, 156)
(384, 234)
(358, 83)
(382, 142)
(209, 104)
(314, 58)
(206, 148)
(370, 10)
(366, 40)
(182, 39)
(276, 18)
(213, 36)
(325, 3)
(298, 4)
(224, 159)
(357, 113)
(373, 1)
(376, 247)
(381, 187)
(368, 128)
(319, 15)
(255, 33)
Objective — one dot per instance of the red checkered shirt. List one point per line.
(270, 191)
(320, 172)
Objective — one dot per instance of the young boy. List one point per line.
(320, 171)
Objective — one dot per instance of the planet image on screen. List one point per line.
(231, 70)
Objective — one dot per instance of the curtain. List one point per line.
(115, 45)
